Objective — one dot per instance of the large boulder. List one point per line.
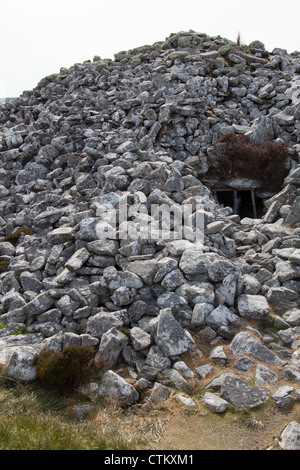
(245, 343)
(241, 394)
(101, 322)
(111, 345)
(170, 336)
(116, 387)
(254, 307)
(290, 437)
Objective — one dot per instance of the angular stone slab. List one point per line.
(170, 336)
(77, 259)
(101, 322)
(290, 437)
(39, 304)
(244, 343)
(254, 307)
(111, 345)
(241, 394)
(114, 386)
(218, 404)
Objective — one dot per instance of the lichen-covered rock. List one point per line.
(245, 343)
(39, 304)
(218, 404)
(114, 386)
(20, 365)
(101, 322)
(290, 436)
(170, 336)
(111, 345)
(160, 393)
(282, 396)
(241, 394)
(254, 307)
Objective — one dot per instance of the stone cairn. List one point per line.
(139, 130)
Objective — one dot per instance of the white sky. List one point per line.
(38, 38)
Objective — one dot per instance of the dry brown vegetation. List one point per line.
(235, 156)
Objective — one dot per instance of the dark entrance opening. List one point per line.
(243, 202)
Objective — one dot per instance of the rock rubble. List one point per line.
(131, 133)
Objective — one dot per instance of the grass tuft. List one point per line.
(32, 419)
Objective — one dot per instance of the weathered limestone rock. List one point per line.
(200, 312)
(78, 259)
(31, 172)
(193, 263)
(222, 316)
(160, 393)
(61, 235)
(295, 257)
(172, 280)
(282, 396)
(293, 374)
(170, 336)
(289, 335)
(217, 383)
(264, 376)
(187, 401)
(103, 247)
(219, 405)
(139, 338)
(287, 271)
(114, 386)
(111, 344)
(20, 365)
(244, 364)
(292, 316)
(290, 437)
(177, 380)
(254, 307)
(272, 212)
(251, 285)
(241, 394)
(276, 294)
(184, 369)
(163, 267)
(30, 282)
(203, 371)
(113, 279)
(264, 131)
(124, 296)
(101, 322)
(157, 359)
(197, 292)
(229, 289)
(218, 356)
(220, 269)
(244, 343)
(145, 270)
(39, 304)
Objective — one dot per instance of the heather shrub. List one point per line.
(64, 370)
(235, 156)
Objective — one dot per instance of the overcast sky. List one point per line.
(38, 38)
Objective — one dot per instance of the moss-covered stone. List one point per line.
(13, 237)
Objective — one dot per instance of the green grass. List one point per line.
(21, 331)
(32, 418)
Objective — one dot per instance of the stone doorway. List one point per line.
(244, 202)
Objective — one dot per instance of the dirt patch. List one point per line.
(198, 428)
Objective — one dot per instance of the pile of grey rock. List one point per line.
(140, 129)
